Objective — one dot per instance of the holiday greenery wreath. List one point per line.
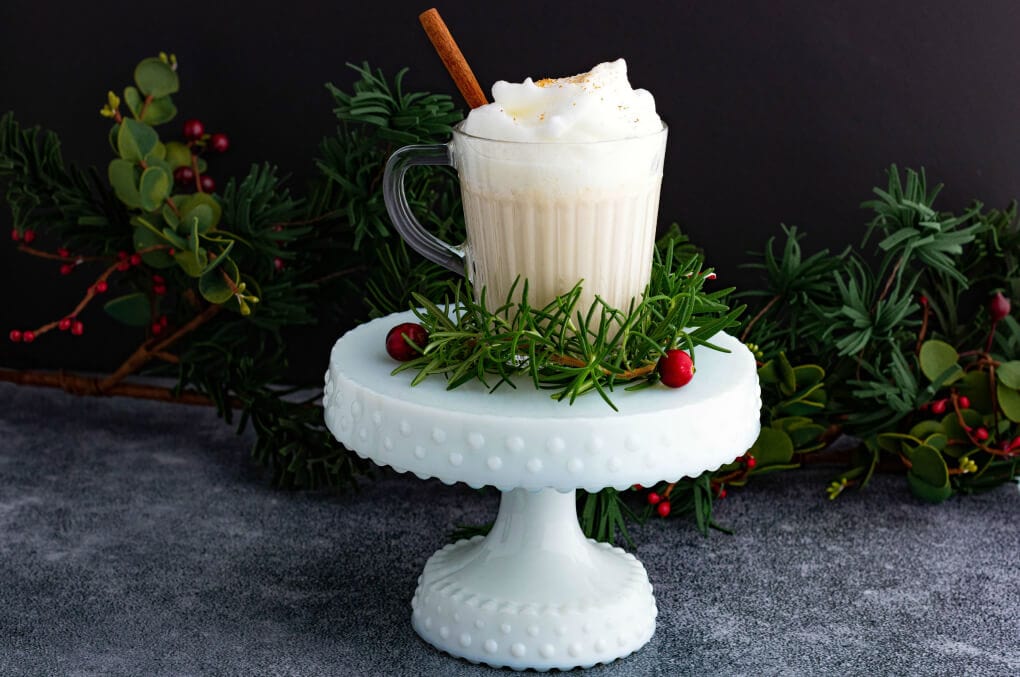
(908, 350)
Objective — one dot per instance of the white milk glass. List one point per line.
(552, 213)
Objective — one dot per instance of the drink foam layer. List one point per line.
(599, 105)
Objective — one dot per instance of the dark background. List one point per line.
(779, 111)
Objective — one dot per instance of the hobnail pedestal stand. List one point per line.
(535, 593)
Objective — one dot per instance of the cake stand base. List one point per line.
(534, 593)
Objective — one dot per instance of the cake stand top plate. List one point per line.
(521, 438)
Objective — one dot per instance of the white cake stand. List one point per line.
(535, 593)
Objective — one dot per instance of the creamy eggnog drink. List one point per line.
(560, 183)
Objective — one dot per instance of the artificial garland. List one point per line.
(913, 351)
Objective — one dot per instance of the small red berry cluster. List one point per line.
(26, 236)
(978, 435)
(194, 133)
(659, 501)
(124, 261)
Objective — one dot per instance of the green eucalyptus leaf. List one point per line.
(135, 140)
(767, 373)
(925, 428)
(928, 465)
(203, 207)
(808, 375)
(772, 446)
(214, 287)
(112, 137)
(173, 238)
(155, 78)
(124, 177)
(170, 217)
(938, 357)
(157, 153)
(201, 165)
(192, 263)
(928, 492)
(787, 377)
(132, 309)
(144, 238)
(1008, 374)
(897, 443)
(133, 99)
(178, 154)
(1009, 402)
(975, 386)
(154, 188)
(159, 111)
(223, 258)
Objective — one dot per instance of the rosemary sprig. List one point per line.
(564, 349)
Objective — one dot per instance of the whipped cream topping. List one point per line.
(599, 105)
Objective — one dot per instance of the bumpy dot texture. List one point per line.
(519, 437)
(521, 635)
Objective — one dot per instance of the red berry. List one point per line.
(172, 251)
(662, 509)
(963, 401)
(637, 487)
(122, 256)
(939, 407)
(136, 259)
(722, 492)
(751, 462)
(15, 336)
(163, 322)
(157, 328)
(676, 368)
(998, 307)
(208, 184)
(193, 129)
(219, 142)
(101, 286)
(77, 328)
(66, 269)
(158, 289)
(923, 300)
(184, 175)
(29, 236)
(123, 265)
(28, 336)
(63, 253)
(15, 235)
(64, 324)
(653, 498)
(1012, 445)
(398, 347)
(278, 263)
(981, 434)
(158, 279)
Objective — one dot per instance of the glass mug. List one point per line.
(549, 212)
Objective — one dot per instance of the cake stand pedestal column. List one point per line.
(535, 593)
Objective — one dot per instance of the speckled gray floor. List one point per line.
(137, 539)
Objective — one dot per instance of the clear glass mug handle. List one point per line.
(422, 241)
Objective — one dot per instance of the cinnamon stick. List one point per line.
(452, 58)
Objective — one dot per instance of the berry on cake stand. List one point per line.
(535, 593)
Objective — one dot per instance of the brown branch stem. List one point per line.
(760, 314)
(148, 350)
(77, 384)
